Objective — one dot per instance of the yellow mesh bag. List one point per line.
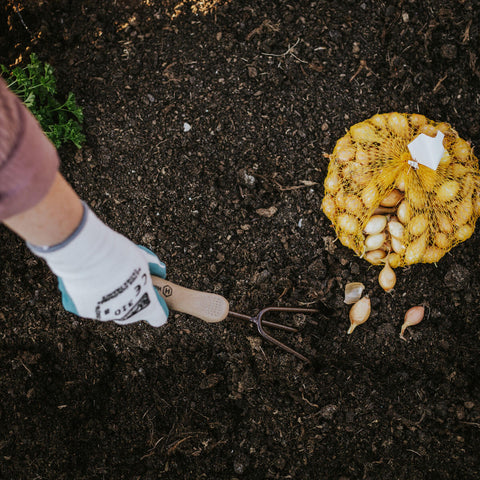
(381, 206)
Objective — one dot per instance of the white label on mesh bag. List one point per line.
(426, 150)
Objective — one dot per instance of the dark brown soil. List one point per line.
(267, 88)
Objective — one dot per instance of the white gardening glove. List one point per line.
(104, 276)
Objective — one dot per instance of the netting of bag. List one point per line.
(432, 210)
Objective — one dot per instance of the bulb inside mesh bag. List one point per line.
(427, 212)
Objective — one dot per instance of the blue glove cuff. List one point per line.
(155, 268)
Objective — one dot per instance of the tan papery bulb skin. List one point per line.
(359, 313)
(353, 292)
(387, 277)
(413, 316)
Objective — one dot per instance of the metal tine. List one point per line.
(265, 322)
(288, 310)
(279, 326)
(278, 343)
(260, 322)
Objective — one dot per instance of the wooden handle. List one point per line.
(209, 307)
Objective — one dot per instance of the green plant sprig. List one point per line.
(35, 84)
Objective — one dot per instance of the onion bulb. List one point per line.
(328, 205)
(375, 256)
(464, 232)
(383, 210)
(353, 205)
(353, 292)
(373, 242)
(332, 183)
(403, 212)
(401, 182)
(413, 317)
(348, 223)
(387, 277)
(398, 123)
(428, 129)
(345, 155)
(392, 199)
(359, 313)
(418, 224)
(448, 191)
(397, 245)
(395, 228)
(394, 259)
(370, 195)
(375, 225)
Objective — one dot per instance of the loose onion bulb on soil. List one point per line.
(353, 292)
(387, 277)
(359, 313)
(413, 317)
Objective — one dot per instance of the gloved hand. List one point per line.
(104, 276)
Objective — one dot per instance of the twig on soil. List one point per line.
(309, 403)
(475, 424)
(274, 27)
(413, 451)
(177, 444)
(172, 449)
(26, 368)
(466, 35)
(152, 450)
(439, 83)
(305, 183)
(363, 65)
(287, 52)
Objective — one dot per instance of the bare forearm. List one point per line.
(53, 219)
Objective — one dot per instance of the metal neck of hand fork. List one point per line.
(211, 307)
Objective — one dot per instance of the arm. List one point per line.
(53, 219)
(101, 274)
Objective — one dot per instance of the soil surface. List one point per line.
(207, 141)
